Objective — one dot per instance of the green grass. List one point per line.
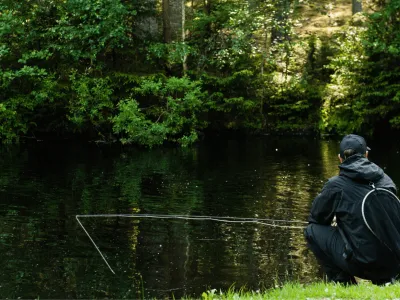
(364, 290)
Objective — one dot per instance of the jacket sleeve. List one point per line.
(389, 184)
(324, 205)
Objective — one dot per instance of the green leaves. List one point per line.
(364, 87)
(87, 28)
(66, 65)
(173, 53)
(41, 44)
(35, 54)
(91, 101)
(132, 124)
(175, 113)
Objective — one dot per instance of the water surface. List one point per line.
(44, 186)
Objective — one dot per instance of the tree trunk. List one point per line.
(266, 45)
(166, 22)
(281, 16)
(356, 6)
(184, 64)
(207, 6)
(176, 11)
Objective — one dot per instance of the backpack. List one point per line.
(380, 210)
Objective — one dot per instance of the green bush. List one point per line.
(172, 110)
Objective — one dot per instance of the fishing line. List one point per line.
(189, 217)
(272, 223)
(95, 245)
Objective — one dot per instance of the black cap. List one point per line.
(355, 142)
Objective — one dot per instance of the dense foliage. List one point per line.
(145, 72)
(364, 87)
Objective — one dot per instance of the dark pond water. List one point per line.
(46, 254)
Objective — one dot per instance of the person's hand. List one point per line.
(333, 223)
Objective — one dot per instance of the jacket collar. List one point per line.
(358, 167)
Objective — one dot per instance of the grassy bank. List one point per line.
(364, 290)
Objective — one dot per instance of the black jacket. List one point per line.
(342, 197)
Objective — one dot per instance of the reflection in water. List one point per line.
(47, 255)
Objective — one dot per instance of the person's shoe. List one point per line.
(345, 279)
(346, 282)
(384, 282)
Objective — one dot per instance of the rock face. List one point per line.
(148, 26)
(147, 23)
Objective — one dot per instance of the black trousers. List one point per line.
(328, 247)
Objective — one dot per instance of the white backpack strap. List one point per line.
(365, 198)
(362, 207)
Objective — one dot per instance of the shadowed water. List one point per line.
(46, 254)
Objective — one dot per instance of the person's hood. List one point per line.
(359, 167)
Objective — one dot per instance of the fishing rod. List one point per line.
(264, 221)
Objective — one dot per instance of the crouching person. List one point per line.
(351, 248)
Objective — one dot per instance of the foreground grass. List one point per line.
(321, 290)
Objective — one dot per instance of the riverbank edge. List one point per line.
(319, 290)
(209, 135)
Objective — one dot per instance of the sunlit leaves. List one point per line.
(133, 126)
(341, 94)
(364, 86)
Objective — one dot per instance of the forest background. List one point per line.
(148, 72)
